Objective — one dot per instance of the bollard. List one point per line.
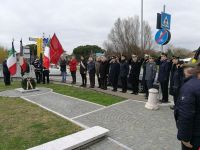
(152, 100)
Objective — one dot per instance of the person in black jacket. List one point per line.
(187, 112)
(135, 73)
(174, 62)
(6, 73)
(144, 84)
(91, 71)
(103, 72)
(163, 77)
(83, 71)
(114, 72)
(124, 71)
(178, 78)
(45, 75)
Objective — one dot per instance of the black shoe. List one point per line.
(114, 90)
(135, 93)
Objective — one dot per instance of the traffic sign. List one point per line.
(162, 37)
(165, 21)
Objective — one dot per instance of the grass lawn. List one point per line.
(82, 93)
(24, 125)
(86, 94)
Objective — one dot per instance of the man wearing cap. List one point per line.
(187, 110)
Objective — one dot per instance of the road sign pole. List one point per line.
(162, 47)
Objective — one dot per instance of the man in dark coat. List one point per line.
(135, 73)
(187, 113)
(173, 70)
(91, 71)
(144, 84)
(114, 72)
(103, 72)
(83, 71)
(124, 71)
(163, 77)
(6, 73)
(97, 66)
(178, 78)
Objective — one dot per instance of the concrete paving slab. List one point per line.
(66, 106)
(138, 128)
(17, 93)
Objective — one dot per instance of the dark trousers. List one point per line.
(164, 89)
(149, 85)
(7, 79)
(144, 86)
(84, 79)
(114, 82)
(45, 75)
(38, 76)
(124, 84)
(186, 148)
(92, 79)
(103, 81)
(135, 85)
(73, 73)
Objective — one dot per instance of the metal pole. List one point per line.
(142, 29)
(164, 7)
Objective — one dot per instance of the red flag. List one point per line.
(56, 49)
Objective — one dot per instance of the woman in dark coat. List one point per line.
(103, 72)
(83, 71)
(6, 73)
(135, 73)
(114, 73)
(124, 71)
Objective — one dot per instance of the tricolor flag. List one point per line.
(56, 49)
(12, 61)
(22, 61)
(46, 58)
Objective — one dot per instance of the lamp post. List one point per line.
(142, 29)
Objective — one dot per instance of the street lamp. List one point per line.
(142, 29)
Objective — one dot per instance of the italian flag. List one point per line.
(22, 63)
(46, 58)
(12, 61)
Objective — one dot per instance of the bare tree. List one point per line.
(124, 37)
(148, 40)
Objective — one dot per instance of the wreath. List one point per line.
(28, 83)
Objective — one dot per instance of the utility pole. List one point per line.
(142, 29)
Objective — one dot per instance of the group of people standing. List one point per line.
(41, 73)
(114, 70)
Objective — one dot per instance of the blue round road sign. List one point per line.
(162, 37)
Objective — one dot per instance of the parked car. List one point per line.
(54, 70)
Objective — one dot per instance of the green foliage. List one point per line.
(3, 54)
(87, 50)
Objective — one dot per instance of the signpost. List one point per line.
(163, 35)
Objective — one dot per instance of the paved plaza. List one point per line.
(131, 125)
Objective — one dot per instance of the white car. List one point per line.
(54, 70)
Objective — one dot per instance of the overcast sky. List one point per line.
(81, 22)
